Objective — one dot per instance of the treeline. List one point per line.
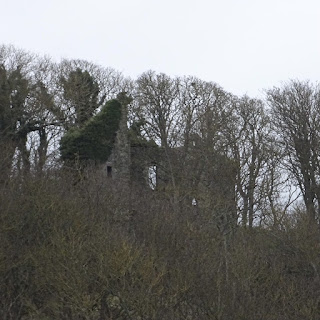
(231, 233)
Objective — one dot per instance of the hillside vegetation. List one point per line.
(217, 218)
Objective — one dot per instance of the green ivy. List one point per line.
(95, 140)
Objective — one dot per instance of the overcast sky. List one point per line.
(243, 45)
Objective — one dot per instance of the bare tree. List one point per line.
(248, 138)
(296, 115)
(158, 106)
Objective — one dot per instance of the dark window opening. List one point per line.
(109, 171)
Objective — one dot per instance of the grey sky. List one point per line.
(243, 45)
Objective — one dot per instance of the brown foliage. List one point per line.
(91, 251)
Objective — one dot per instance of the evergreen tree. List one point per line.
(82, 93)
(14, 120)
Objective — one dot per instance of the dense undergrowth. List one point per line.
(97, 250)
